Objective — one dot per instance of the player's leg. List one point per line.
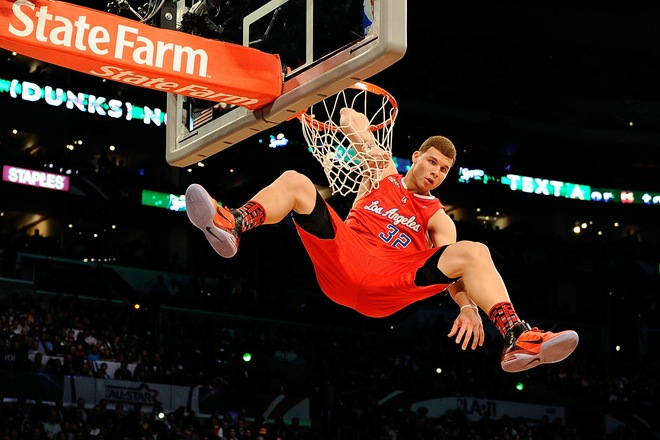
(223, 227)
(291, 191)
(472, 262)
(524, 347)
(318, 222)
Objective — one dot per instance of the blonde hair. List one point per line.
(442, 144)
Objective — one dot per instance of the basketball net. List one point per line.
(345, 167)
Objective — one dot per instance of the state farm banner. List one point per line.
(125, 50)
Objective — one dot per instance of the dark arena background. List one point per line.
(119, 321)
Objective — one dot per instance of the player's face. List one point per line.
(428, 171)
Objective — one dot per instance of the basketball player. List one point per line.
(396, 246)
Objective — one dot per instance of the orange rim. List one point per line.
(309, 120)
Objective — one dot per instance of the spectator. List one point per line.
(68, 365)
(36, 348)
(81, 404)
(53, 366)
(87, 369)
(93, 353)
(90, 337)
(102, 372)
(79, 355)
(38, 365)
(51, 425)
(60, 348)
(45, 344)
(123, 372)
(35, 243)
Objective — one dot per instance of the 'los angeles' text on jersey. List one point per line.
(393, 215)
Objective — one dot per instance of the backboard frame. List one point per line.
(383, 45)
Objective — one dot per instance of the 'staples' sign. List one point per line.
(124, 50)
(36, 178)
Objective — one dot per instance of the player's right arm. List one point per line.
(442, 229)
(356, 127)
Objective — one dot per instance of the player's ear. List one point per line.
(415, 155)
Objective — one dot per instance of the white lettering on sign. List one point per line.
(193, 90)
(128, 44)
(35, 178)
(83, 102)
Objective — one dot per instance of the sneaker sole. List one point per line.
(201, 211)
(555, 350)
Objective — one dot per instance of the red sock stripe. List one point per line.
(253, 214)
(503, 316)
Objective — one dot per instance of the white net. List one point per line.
(345, 167)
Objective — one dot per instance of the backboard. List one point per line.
(325, 46)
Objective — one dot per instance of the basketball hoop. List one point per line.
(345, 168)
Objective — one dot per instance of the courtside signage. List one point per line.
(36, 178)
(127, 51)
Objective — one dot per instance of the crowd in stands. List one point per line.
(39, 420)
(344, 375)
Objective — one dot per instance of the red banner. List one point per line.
(124, 50)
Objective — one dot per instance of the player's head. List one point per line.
(430, 165)
(442, 144)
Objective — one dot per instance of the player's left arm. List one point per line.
(468, 324)
(356, 126)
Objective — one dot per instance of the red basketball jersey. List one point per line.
(371, 263)
(393, 217)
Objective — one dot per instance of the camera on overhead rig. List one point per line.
(201, 17)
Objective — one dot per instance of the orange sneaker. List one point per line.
(220, 225)
(526, 347)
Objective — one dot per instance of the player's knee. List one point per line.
(290, 176)
(296, 181)
(474, 251)
(301, 188)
